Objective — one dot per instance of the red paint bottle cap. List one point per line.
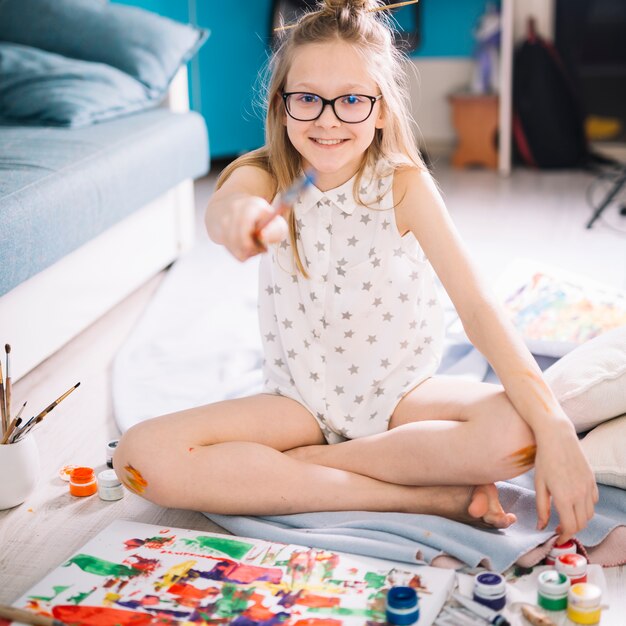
(569, 547)
(572, 565)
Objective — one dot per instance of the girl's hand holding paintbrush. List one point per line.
(249, 226)
(247, 223)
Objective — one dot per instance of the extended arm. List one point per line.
(236, 208)
(561, 468)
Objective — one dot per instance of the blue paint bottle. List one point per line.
(490, 590)
(402, 606)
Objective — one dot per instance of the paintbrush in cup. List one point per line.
(17, 420)
(287, 200)
(12, 426)
(27, 617)
(7, 417)
(33, 421)
(3, 408)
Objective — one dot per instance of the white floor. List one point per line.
(538, 215)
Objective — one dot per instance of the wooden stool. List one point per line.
(475, 117)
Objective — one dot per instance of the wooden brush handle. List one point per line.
(27, 617)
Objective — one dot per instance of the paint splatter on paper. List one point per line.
(136, 574)
(558, 309)
(553, 309)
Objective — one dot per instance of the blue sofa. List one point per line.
(89, 213)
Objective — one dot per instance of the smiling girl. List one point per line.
(353, 415)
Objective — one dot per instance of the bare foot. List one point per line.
(485, 505)
(478, 506)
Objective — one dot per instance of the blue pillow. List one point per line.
(38, 87)
(146, 46)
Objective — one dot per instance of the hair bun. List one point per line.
(355, 5)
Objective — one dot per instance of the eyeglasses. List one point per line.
(351, 108)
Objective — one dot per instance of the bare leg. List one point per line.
(443, 432)
(227, 458)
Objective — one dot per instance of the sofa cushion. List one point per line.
(39, 87)
(146, 46)
(60, 187)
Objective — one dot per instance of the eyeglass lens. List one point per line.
(350, 108)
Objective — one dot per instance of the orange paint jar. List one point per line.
(83, 481)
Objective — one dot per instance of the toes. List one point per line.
(485, 505)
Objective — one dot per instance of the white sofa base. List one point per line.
(44, 312)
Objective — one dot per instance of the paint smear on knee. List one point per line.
(133, 480)
(525, 457)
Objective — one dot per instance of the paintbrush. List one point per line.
(17, 420)
(33, 421)
(18, 433)
(7, 417)
(27, 617)
(287, 200)
(51, 406)
(3, 408)
(14, 424)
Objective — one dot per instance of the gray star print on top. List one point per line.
(366, 327)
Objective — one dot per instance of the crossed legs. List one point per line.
(266, 455)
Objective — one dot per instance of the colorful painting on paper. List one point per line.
(134, 574)
(557, 310)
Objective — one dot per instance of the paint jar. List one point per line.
(584, 603)
(19, 468)
(552, 588)
(83, 482)
(110, 449)
(574, 566)
(490, 590)
(402, 606)
(109, 486)
(569, 547)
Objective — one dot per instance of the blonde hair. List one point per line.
(355, 23)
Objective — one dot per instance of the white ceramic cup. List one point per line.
(19, 471)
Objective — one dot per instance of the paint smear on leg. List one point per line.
(541, 391)
(134, 480)
(524, 457)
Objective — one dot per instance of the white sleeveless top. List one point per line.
(366, 327)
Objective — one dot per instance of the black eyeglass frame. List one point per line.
(373, 100)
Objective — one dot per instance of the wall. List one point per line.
(224, 83)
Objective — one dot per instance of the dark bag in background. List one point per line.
(548, 121)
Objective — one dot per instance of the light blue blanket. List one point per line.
(420, 538)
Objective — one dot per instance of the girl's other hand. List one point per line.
(562, 473)
(238, 226)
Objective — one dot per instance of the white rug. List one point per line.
(197, 342)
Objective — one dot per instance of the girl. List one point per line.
(351, 323)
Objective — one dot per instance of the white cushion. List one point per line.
(605, 448)
(590, 381)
